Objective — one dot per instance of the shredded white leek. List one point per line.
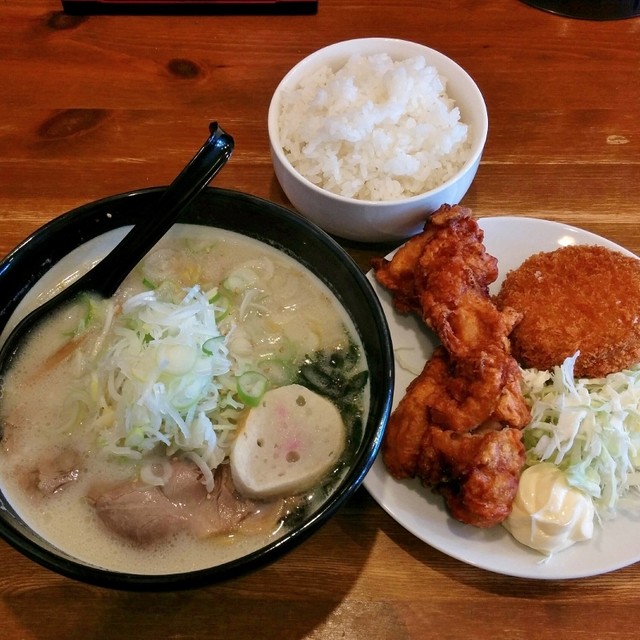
(172, 373)
(589, 428)
(164, 379)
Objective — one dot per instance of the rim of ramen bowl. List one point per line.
(256, 218)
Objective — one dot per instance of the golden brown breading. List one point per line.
(408, 422)
(451, 239)
(511, 408)
(470, 389)
(477, 473)
(449, 423)
(577, 298)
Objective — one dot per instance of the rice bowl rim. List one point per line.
(343, 51)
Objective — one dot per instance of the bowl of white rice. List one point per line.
(370, 136)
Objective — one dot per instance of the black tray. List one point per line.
(182, 7)
(590, 9)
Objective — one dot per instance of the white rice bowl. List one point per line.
(369, 136)
(375, 129)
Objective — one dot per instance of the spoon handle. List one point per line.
(109, 273)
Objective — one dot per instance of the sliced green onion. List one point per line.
(210, 346)
(251, 387)
(278, 372)
(89, 313)
(222, 306)
(147, 283)
(241, 279)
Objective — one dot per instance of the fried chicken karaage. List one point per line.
(458, 425)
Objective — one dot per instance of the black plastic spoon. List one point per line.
(105, 277)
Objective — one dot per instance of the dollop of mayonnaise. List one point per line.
(548, 514)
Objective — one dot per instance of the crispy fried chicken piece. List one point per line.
(407, 424)
(443, 274)
(511, 408)
(471, 325)
(477, 473)
(469, 390)
(437, 398)
(485, 387)
(451, 237)
(439, 429)
(399, 274)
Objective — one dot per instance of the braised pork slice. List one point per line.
(54, 472)
(146, 514)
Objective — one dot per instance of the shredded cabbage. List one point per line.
(164, 379)
(589, 428)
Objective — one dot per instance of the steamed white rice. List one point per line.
(376, 129)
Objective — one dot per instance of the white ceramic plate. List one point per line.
(616, 544)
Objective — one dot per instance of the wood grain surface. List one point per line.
(93, 106)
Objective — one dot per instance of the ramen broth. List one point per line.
(278, 312)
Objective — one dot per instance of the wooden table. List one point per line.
(92, 106)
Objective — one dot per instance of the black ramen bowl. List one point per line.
(255, 218)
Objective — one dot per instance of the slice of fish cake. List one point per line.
(287, 443)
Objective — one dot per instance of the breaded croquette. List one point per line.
(577, 298)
